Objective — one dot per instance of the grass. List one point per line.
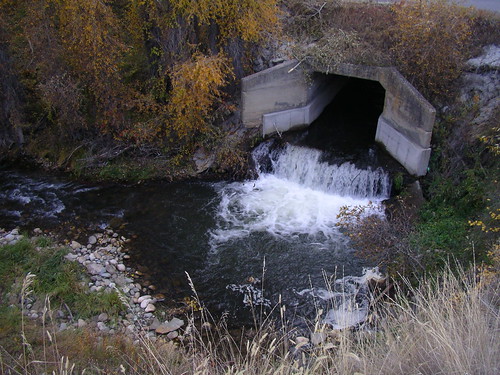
(447, 325)
(63, 281)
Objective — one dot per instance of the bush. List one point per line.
(431, 43)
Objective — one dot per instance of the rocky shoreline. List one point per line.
(102, 261)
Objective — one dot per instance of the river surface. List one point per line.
(245, 245)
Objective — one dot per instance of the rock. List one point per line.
(159, 297)
(142, 298)
(95, 269)
(490, 59)
(121, 267)
(155, 324)
(75, 245)
(102, 317)
(81, 323)
(150, 308)
(171, 326)
(37, 231)
(277, 60)
(102, 327)
(110, 269)
(203, 160)
(63, 326)
(116, 222)
(301, 341)
(173, 335)
(144, 303)
(71, 257)
(92, 240)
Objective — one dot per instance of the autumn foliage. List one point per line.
(146, 71)
(431, 41)
(196, 87)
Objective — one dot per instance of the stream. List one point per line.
(246, 246)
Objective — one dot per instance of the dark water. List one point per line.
(254, 242)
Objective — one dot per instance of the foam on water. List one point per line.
(302, 195)
(305, 166)
(347, 300)
(36, 197)
(278, 206)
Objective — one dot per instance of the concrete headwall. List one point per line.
(287, 97)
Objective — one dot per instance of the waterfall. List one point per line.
(296, 193)
(304, 166)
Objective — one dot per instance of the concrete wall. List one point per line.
(286, 97)
(272, 90)
(323, 91)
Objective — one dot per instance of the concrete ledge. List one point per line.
(414, 157)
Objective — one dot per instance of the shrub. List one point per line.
(431, 42)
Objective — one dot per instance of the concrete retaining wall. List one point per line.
(323, 93)
(287, 97)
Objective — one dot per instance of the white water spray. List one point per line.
(302, 195)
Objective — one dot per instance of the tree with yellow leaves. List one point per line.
(245, 19)
(196, 88)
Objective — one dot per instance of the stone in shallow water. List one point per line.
(92, 240)
(121, 267)
(150, 308)
(171, 326)
(142, 298)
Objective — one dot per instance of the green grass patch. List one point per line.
(63, 281)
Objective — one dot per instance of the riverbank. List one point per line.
(89, 285)
(449, 325)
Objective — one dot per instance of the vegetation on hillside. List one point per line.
(138, 85)
(155, 77)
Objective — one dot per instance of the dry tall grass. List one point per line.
(448, 325)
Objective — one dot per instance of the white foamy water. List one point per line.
(302, 195)
(348, 299)
(305, 167)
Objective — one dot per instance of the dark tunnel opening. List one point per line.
(349, 123)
